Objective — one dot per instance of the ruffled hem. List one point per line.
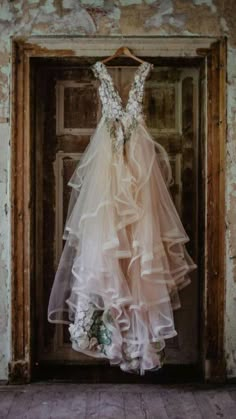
(111, 335)
(138, 328)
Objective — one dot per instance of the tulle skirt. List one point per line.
(124, 258)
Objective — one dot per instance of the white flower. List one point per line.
(79, 323)
(75, 331)
(83, 341)
(87, 327)
(80, 315)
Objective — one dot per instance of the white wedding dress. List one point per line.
(124, 258)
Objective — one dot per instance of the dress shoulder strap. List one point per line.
(144, 69)
(100, 71)
(135, 102)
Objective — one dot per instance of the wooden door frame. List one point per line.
(212, 176)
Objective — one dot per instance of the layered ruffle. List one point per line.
(124, 260)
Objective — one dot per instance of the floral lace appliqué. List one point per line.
(88, 330)
(90, 333)
(121, 121)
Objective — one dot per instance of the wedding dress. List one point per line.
(124, 258)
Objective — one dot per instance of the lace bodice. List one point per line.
(110, 98)
(120, 120)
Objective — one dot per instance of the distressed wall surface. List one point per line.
(129, 17)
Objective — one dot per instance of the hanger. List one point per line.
(123, 51)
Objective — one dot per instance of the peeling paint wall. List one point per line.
(127, 17)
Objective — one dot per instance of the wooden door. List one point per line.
(67, 112)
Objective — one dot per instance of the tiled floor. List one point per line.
(131, 401)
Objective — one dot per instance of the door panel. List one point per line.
(64, 124)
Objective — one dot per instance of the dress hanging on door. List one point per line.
(124, 258)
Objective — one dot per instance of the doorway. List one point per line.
(67, 110)
(175, 105)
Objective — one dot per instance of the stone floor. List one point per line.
(44, 400)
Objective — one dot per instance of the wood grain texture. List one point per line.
(63, 401)
(215, 265)
(21, 218)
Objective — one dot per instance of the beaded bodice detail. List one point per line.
(121, 120)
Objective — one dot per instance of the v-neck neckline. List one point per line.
(124, 107)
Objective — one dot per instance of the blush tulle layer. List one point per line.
(124, 260)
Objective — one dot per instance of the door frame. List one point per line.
(212, 180)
